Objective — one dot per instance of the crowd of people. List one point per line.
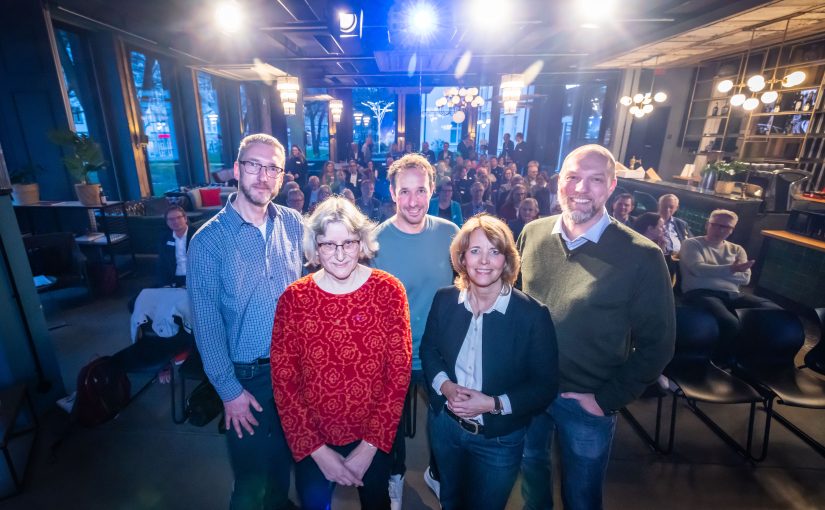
(317, 319)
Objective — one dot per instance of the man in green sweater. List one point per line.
(610, 298)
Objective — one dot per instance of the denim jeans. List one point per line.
(260, 462)
(584, 443)
(315, 490)
(476, 472)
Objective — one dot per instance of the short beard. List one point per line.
(578, 217)
(247, 193)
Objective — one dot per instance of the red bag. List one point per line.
(103, 389)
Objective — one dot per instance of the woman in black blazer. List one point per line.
(490, 359)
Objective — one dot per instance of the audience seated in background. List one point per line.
(296, 165)
(444, 206)
(623, 205)
(311, 192)
(172, 246)
(509, 209)
(676, 230)
(281, 198)
(528, 210)
(295, 200)
(324, 192)
(545, 194)
(713, 272)
(367, 203)
(650, 225)
(477, 204)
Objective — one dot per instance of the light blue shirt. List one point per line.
(592, 234)
(234, 279)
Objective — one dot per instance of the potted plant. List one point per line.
(719, 175)
(25, 189)
(86, 157)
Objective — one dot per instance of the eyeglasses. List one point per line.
(350, 246)
(722, 226)
(254, 168)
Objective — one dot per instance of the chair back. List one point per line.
(768, 338)
(697, 334)
(815, 359)
(645, 202)
(53, 254)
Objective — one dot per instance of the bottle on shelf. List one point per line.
(715, 110)
(806, 106)
(725, 108)
(776, 107)
(797, 104)
(632, 162)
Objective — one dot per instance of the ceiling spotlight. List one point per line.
(660, 97)
(737, 99)
(422, 19)
(626, 100)
(769, 97)
(724, 86)
(228, 17)
(794, 79)
(756, 82)
(750, 103)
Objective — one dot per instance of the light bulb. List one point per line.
(724, 86)
(756, 82)
(660, 97)
(626, 100)
(647, 108)
(638, 98)
(639, 114)
(750, 103)
(634, 110)
(737, 99)
(794, 79)
(769, 97)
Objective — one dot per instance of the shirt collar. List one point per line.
(234, 218)
(499, 306)
(592, 234)
(181, 237)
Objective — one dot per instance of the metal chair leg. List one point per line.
(745, 451)
(654, 442)
(801, 434)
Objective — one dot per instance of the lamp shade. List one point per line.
(737, 99)
(724, 86)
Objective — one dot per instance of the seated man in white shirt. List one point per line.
(171, 268)
(713, 271)
(676, 229)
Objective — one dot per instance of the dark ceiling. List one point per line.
(302, 37)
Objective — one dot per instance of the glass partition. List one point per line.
(211, 120)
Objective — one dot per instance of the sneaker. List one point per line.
(396, 491)
(432, 483)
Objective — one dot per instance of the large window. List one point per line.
(581, 119)
(249, 113)
(316, 126)
(211, 120)
(378, 107)
(153, 86)
(437, 126)
(515, 122)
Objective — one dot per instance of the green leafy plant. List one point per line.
(726, 170)
(86, 155)
(26, 174)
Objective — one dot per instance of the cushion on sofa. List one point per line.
(210, 197)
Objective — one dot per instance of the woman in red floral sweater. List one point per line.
(341, 353)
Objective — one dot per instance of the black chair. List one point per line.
(644, 203)
(699, 380)
(764, 356)
(815, 359)
(57, 256)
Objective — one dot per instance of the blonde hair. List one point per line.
(499, 234)
(725, 213)
(261, 139)
(410, 161)
(337, 209)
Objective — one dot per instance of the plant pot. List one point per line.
(725, 187)
(25, 194)
(88, 194)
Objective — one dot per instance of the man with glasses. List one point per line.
(239, 263)
(713, 271)
(171, 269)
(415, 248)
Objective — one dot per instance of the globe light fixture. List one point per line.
(737, 99)
(756, 83)
(724, 86)
(769, 97)
(750, 103)
(794, 79)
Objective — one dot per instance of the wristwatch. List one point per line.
(497, 408)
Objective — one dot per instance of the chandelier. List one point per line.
(641, 103)
(457, 100)
(336, 108)
(511, 85)
(288, 88)
(757, 82)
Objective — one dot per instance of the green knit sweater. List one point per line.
(612, 306)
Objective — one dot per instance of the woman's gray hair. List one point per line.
(338, 209)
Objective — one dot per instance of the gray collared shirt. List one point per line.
(593, 234)
(234, 279)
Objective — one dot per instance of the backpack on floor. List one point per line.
(103, 390)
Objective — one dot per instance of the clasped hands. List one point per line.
(347, 470)
(466, 403)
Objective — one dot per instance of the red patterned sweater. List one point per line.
(341, 363)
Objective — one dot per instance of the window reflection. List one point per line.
(211, 120)
(151, 78)
(316, 127)
(68, 50)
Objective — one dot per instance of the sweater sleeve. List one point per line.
(693, 261)
(388, 404)
(285, 357)
(653, 331)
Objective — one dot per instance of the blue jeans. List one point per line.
(261, 462)
(476, 472)
(584, 443)
(315, 490)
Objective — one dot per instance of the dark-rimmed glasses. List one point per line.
(350, 246)
(254, 168)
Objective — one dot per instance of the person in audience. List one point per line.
(713, 272)
(340, 384)
(445, 154)
(366, 149)
(395, 151)
(490, 360)
(354, 153)
(545, 192)
(509, 209)
(348, 194)
(295, 200)
(371, 170)
(610, 297)
(172, 246)
(507, 148)
(496, 170)
(234, 282)
(466, 148)
(484, 178)
(367, 203)
(520, 153)
(428, 153)
(311, 191)
(408, 148)
(296, 165)
(444, 206)
(622, 207)
(328, 173)
(415, 248)
(477, 204)
(531, 174)
(650, 225)
(285, 189)
(528, 210)
(324, 192)
(341, 182)
(504, 187)
(461, 184)
(676, 229)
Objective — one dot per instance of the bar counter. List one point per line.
(792, 268)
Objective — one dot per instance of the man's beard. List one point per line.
(575, 215)
(247, 191)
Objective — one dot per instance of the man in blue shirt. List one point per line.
(239, 264)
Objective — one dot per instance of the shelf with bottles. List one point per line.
(771, 148)
(779, 125)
